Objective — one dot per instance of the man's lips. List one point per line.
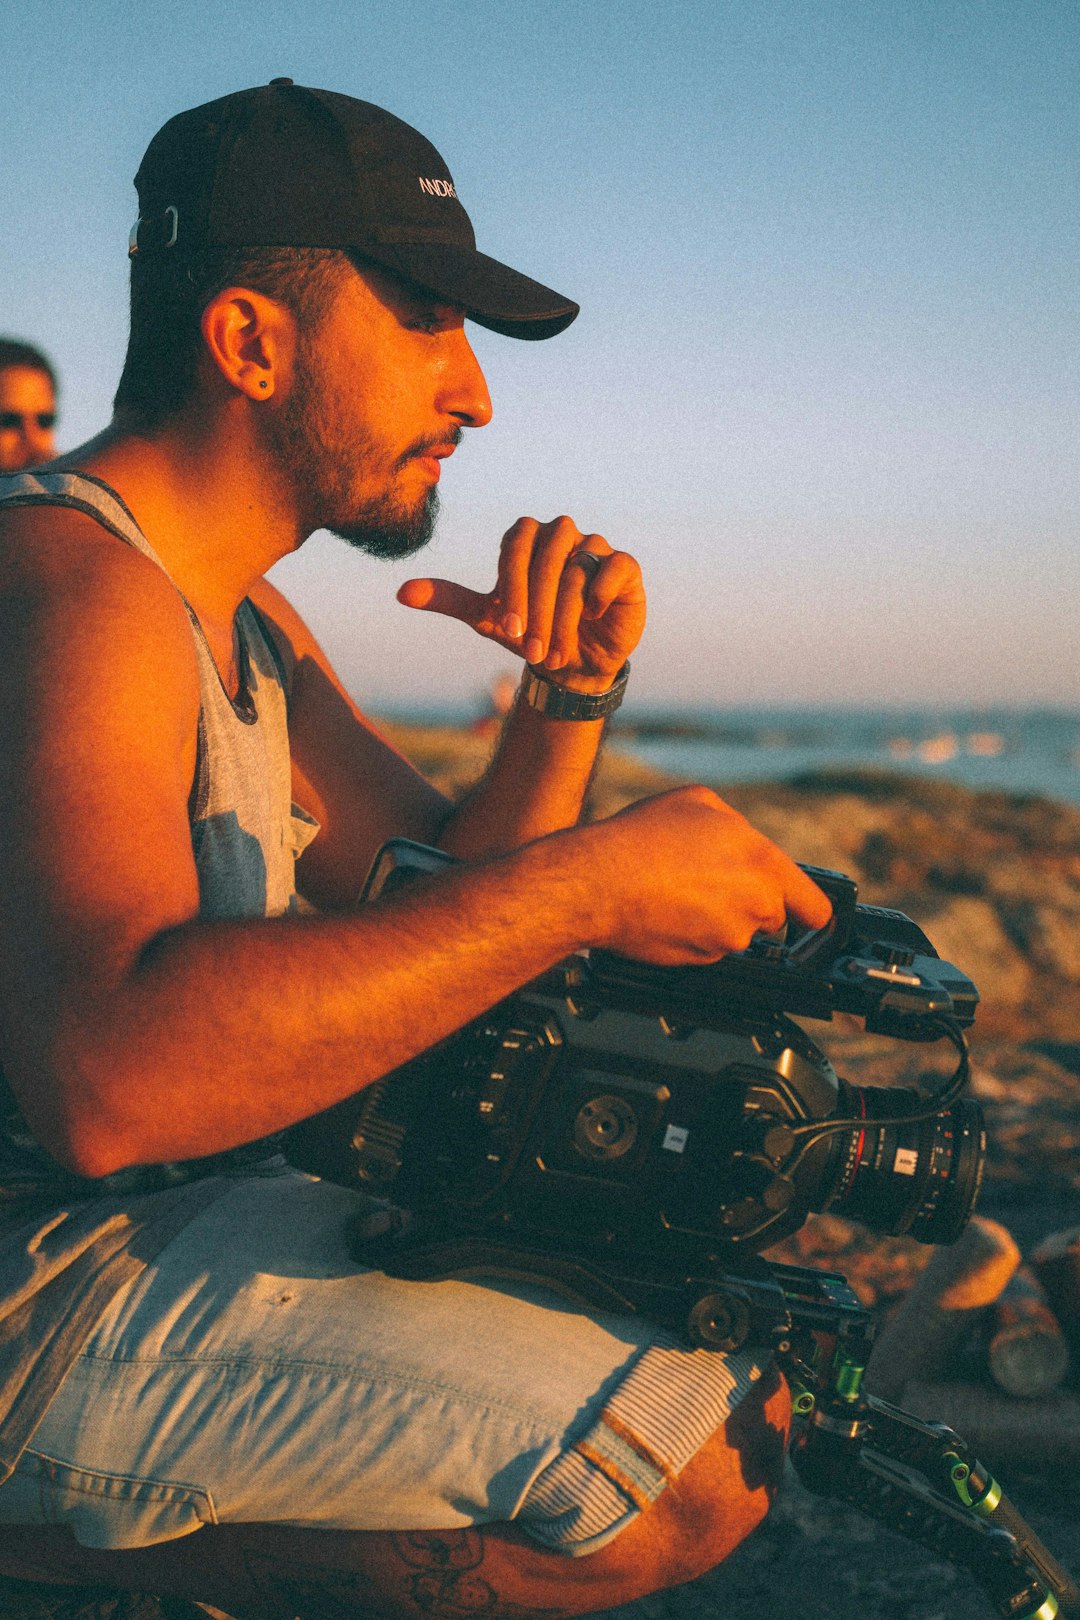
(432, 455)
(433, 451)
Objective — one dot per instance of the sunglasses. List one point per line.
(19, 419)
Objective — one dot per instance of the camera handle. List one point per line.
(917, 1478)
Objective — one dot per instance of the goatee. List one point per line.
(383, 530)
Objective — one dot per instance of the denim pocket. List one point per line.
(103, 1510)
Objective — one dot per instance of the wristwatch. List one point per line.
(559, 703)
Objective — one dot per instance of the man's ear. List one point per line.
(250, 339)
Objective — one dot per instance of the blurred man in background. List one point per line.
(27, 406)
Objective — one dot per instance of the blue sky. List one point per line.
(825, 380)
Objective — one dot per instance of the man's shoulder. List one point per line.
(43, 521)
(61, 547)
(68, 586)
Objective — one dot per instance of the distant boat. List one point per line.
(936, 750)
(987, 744)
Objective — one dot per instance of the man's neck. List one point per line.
(206, 499)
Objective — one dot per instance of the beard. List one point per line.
(388, 529)
(318, 459)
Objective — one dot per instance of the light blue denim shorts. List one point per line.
(253, 1372)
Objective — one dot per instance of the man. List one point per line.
(188, 1344)
(27, 406)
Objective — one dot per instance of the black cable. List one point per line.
(814, 1130)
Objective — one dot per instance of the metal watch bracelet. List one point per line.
(559, 703)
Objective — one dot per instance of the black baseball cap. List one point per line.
(286, 166)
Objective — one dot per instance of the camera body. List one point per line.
(672, 1112)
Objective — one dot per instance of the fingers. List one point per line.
(778, 891)
(535, 582)
(780, 888)
(531, 584)
(444, 596)
(563, 599)
(586, 594)
(806, 901)
(703, 882)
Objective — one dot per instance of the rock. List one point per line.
(968, 930)
(960, 1280)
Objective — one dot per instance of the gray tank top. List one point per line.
(67, 1244)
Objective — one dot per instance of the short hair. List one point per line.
(14, 352)
(169, 292)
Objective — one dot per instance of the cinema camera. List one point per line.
(678, 1111)
(633, 1137)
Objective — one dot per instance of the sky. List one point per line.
(824, 384)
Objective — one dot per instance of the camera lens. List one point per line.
(921, 1177)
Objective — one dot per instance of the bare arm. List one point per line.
(579, 627)
(131, 1031)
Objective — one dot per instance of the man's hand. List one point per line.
(578, 621)
(684, 879)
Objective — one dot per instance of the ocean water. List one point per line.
(1011, 750)
(1017, 751)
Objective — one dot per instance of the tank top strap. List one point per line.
(82, 493)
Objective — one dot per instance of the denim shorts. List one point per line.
(255, 1372)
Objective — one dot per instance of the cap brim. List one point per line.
(490, 293)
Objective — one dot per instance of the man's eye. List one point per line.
(430, 321)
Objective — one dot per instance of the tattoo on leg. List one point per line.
(441, 1580)
(440, 1549)
(444, 1577)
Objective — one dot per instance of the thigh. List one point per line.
(257, 1374)
(273, 1572)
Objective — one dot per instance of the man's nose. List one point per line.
(464, 391)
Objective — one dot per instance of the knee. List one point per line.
(719, 1498)
(729, 1487)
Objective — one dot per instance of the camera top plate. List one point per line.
(867, 960)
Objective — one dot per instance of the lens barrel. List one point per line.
(921, 1177)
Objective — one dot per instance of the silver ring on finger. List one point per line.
(588, 560)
